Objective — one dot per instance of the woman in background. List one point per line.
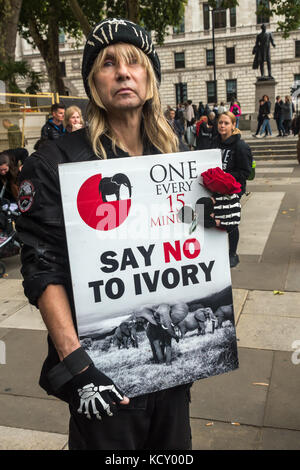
(236, 160)
(8, 181)
(73, 119)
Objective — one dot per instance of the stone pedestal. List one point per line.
(265, 87)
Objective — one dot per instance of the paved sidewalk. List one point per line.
(254, 407)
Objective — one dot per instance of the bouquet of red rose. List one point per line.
(217, 181)
(222, 209)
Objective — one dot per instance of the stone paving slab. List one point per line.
(279, 439)
(25, 353)
(34, 413)
(266, 303)
(25, 439)
(233, 397)
(239, 298)
(255, 276)
(27, 317)
(292, 282)
(223, 436)
(256, 222)
(9, 307)
(11, 289)
(282, 408)
(268, 332)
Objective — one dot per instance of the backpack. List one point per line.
(235, 111)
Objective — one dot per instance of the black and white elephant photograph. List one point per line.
(157, 346)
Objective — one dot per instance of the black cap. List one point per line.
(111, 31)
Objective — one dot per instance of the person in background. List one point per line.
(189, 117)
(260, 117)
(176, 124)
(17, 156)
(203, 134)
(73, 119)
(236, 110)
(216, 109)
(278, 116)
(14, 134)
(236, 160)
(222, 108)
(8, 179)
(207, 110)
(287, 115)
(200, 110)
(213, 123)
(53, 129)
(266, 110)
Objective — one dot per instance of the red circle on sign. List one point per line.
(95, 212)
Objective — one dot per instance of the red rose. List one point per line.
(217, 181)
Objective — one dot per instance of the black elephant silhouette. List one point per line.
(111, 186)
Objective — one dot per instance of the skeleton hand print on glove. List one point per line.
(88, 396)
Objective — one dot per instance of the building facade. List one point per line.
(187, 57)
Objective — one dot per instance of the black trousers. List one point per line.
(157, 420)
(233, 237)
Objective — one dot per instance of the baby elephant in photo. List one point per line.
(195, 321)
(126, 334)
(224, 313)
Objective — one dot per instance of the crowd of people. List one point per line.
(287, 122)
(63, 120)
(197, 125)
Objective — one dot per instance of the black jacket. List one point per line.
(278, 109)
(203, 136)
(51, 131)
(41, 225)
(266, 109)
(236, 158)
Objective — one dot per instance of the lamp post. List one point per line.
(214, 51)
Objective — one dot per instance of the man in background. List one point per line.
(53, 129)
(14, 134)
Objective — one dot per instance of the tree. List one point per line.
(40, 24)
(154, 15)
(10, 11)
(11, 70)
(289, 10)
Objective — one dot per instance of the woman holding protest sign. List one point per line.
(236, 160)
(121, 73)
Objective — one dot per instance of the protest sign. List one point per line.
(153, 299)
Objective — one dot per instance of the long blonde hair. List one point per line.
(155, 125)
(233, 120)
(69, 112)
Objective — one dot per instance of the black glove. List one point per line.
(227, 209)
(92, 392)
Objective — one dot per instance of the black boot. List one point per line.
(233, 260)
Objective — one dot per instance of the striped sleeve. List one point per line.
(228, 210)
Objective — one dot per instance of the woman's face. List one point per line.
(74, 119)
(225, 126)
(4, 169)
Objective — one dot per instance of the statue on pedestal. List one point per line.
(262, 52)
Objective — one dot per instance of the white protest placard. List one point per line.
(153, 300)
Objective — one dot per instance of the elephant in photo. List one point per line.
(196, 321)
(161, 328)
(125, 334)
(111, 186)
(224, 313)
